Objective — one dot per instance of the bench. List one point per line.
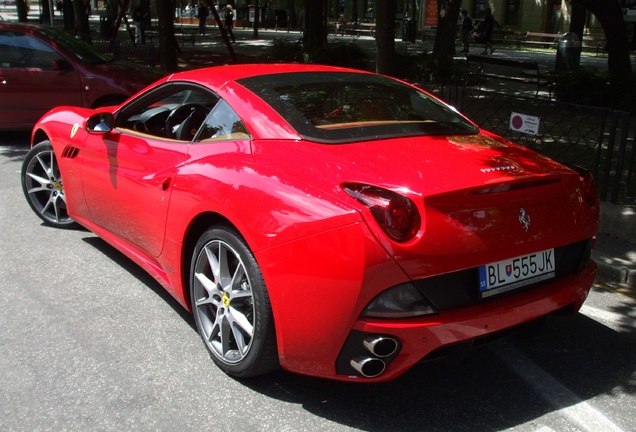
(542, 40)
(508, 37)
(520, 71)
(363, 29)
(595, 44)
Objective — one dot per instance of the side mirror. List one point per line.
(61, 65)
(100, 123)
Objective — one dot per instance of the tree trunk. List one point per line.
(22, 9)
(168, 46)
(385, 37)
(45, 17)
(315, 35)
(447, 16)
(69, 16)
(82, 28)
(577, 25)
(256, 20)
(610, 15)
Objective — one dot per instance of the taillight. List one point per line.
(588, 185)
(396, 214)
(589, 188)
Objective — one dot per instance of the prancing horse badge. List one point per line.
(524, 218)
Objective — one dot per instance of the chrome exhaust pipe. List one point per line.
(368, 366)
(380, 346)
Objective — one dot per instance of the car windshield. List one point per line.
(79, 48)
(346, 106)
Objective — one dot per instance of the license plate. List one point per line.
(513, 273)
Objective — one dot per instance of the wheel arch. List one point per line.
(196, 228)
(38, 135)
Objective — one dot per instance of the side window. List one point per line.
(173, 111)
(222, 124)
(23, 51)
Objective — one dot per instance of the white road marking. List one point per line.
(577, 411)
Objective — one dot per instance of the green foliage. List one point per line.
(339, 53)
(587, 87)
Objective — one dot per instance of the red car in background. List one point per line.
(337, 223)
(43, 67)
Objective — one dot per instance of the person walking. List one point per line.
(138, 19)
(467, 30)
(202, 14)
(229, 21)
(489, 26)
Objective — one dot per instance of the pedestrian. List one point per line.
(229, 21)
(202, 14)
(340, 25)
(467, 30)
(138, 19)
(488, 27)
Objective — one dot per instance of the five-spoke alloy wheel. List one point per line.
(43, 188)
(231, 306)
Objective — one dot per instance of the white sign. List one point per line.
(524, 123)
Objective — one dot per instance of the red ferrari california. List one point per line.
(332, 222)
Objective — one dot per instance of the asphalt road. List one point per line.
(89, 342)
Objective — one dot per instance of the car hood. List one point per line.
(470, 191)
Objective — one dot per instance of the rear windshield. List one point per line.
(347, 107)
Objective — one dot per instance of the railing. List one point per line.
(601, 140)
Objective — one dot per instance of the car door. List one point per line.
(33, 79)
(128, 174)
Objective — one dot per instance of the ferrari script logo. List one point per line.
(524, 218)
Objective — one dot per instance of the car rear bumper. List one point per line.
(427, 338)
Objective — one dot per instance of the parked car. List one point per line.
(334, 222)
(43, 67)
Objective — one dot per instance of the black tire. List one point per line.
(42, 186)
(231, 305)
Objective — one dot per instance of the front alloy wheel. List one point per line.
(231, 306)
(43, 188)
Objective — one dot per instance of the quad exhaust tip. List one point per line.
(380, 346)
(369, 367)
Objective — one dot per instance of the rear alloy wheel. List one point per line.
(43, 188)
(231, 305)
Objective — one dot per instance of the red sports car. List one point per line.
(43, 67)
(332, 222)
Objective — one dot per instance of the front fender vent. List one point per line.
(70, 152)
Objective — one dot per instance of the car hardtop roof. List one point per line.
(216, 75)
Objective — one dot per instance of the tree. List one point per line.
(315, 34)
(81, 21)
(385, 37)
(447, 15)
(610, 15)
(22, 9)
(168, 46)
